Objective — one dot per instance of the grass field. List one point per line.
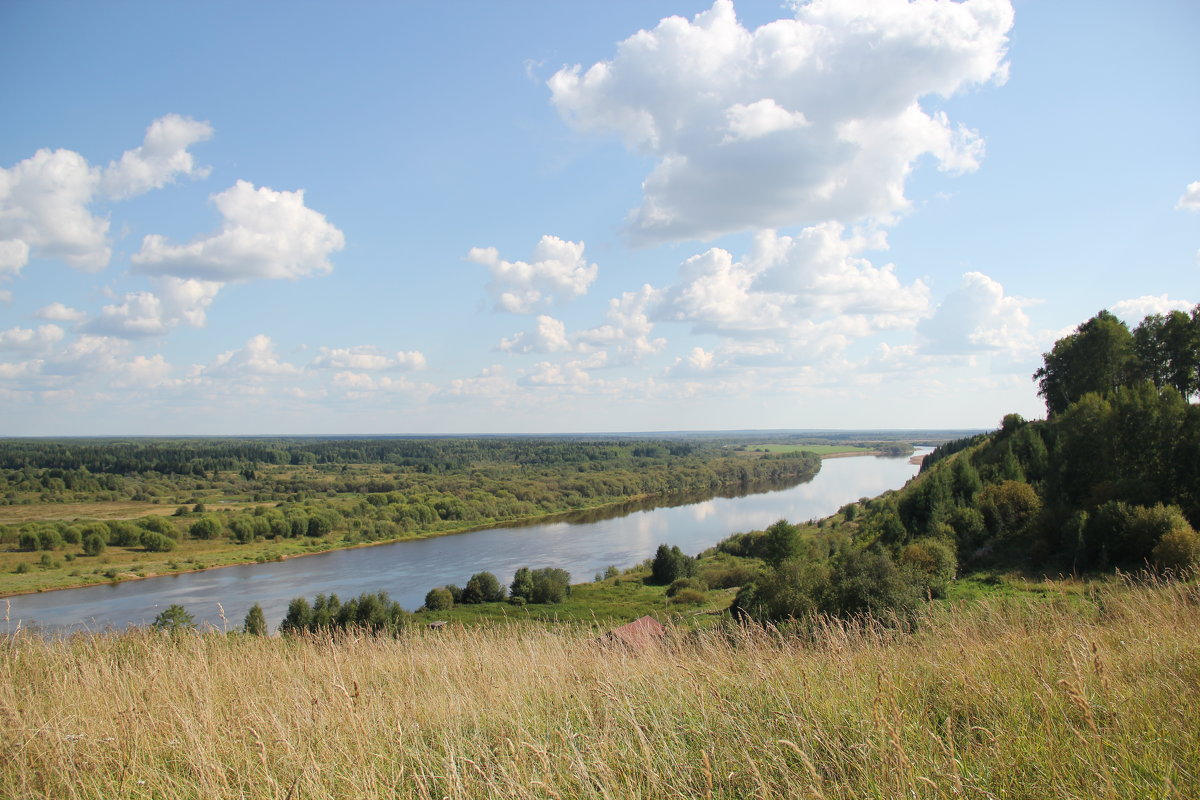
(1087, 696)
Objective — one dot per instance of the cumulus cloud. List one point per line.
(557, 272)
(801, 120)
(367, 357)
(814, 291)
(977, 318)
(40, 339)
(60, 313)
(175, 301)
(162, 156)
(697, 363)
(1134, 310)
(360, 384)
(548, 336)
(44, 211)
(1190, 199)
(628, 327)
(257, 358)
(264, 234)
(491, 382)
(45, 200)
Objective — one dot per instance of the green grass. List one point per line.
(602, 605)
(819, 449)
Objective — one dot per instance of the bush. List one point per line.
(93, 544)
(157, 542)
(550, 585)
(482, 587)
(1177, 550)
(439, 599)
(173, 619)
(933, 561)
(680, 584)
(690, 597)
(670, 563)
(727, 576)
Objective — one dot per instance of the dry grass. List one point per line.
(1006, 698)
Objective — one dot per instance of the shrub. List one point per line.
(256, 621)
(680, 584)
(157, 542)
(690, 597)
(670, 563)
(173, 619)
(93, 544)
(1177, 550)
(439, 599)
(483, 587)
(933, 560)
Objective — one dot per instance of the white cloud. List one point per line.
(14, 255)
(806, 296)
(162, 155)
(628, 328)
(977, 318)
(492, 383)
(256, 358)
(44, 212)
(264, 234)
(31, 340)
(801, 120)
(45, 200)
(367, 357)
(1132, 311)
(821, 267)
(549, 336)
(144, 373)
(358, 385)
(698, 363)
(760, 118)
(60, 313)
(556, 273)
(88, 355)
(1190, 199)
(176, 301)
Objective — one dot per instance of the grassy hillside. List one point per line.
(1084, 694)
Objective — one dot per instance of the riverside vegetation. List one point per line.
(840, 658)
(88, 511)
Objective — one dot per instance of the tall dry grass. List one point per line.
(1005, 699)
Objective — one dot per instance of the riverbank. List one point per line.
(121, 565)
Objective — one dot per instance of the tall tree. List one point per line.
(1097, 357)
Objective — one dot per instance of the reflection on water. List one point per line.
(583, 543)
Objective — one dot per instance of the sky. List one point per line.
(535, 217)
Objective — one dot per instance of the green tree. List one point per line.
(670, 563)
(256, 621)
(93, 544)
(439, 599)
(173, 619)
(207, 527)
(483, 587)
(550, 585)
(522, 584)
(782, 543)
(1097, 357)
(157, 542)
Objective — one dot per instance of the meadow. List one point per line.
(1087, 692)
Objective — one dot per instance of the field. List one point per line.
(1090, 694)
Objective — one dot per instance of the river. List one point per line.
(581, 544)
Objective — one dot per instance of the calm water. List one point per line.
(407, 570)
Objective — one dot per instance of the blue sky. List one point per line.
(446, 217)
